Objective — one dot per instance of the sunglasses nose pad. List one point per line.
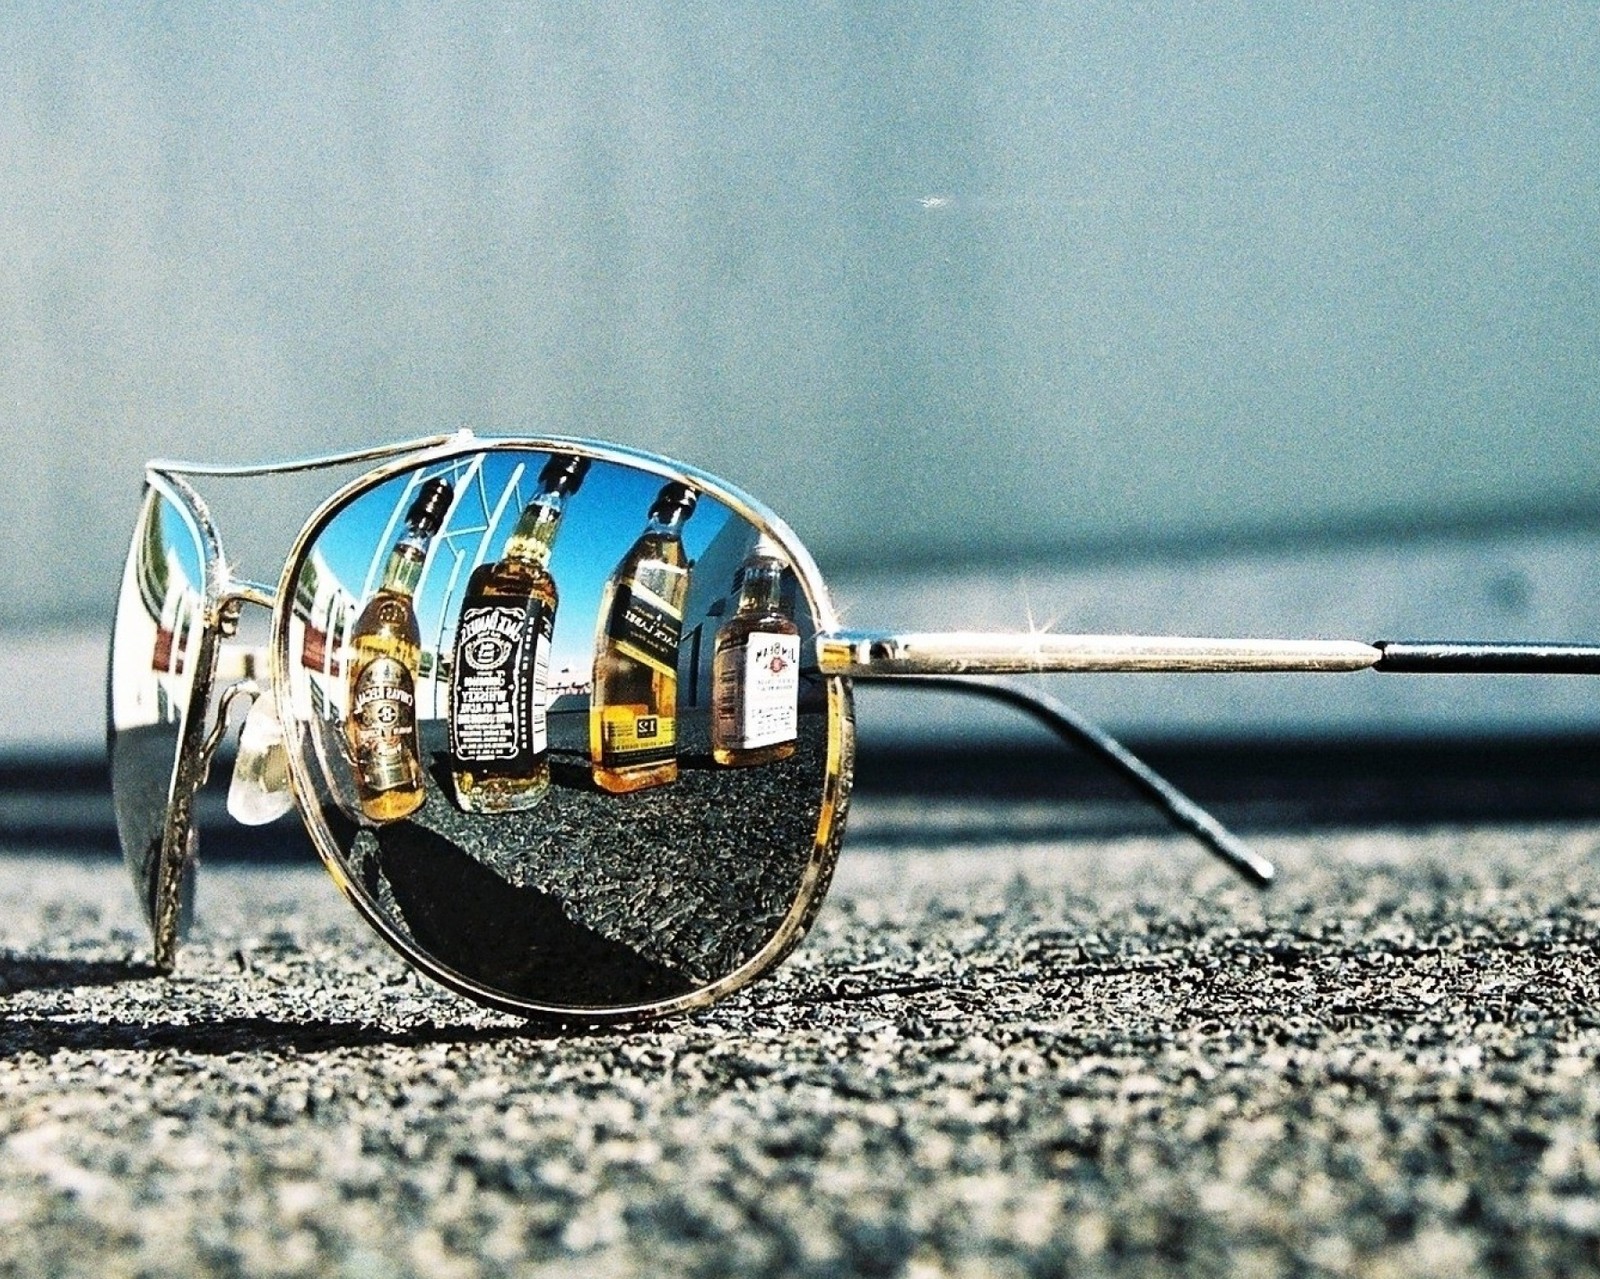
(259, 792)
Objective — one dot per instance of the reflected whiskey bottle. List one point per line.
(385, 656)
(634, 706)
(755, 668)
(499, 680)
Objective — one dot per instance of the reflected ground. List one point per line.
(593, 899)
(141, 762)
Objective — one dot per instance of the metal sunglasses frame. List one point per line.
(957, 661)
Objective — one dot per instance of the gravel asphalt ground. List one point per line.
(1010, 1054)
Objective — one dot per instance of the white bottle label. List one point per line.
(541, 693)
(768, 712)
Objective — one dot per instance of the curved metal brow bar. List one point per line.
(169, 466)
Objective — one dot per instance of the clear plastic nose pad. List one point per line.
(260, 792)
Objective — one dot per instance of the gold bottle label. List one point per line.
(631, 736)
(384, 713)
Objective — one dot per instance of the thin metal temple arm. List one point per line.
(982, 653)
(862, 654)
(1074, 729)
(1460, 657)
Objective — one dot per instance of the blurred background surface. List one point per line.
(1168, 318)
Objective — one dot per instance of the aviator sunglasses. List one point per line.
(569, 724)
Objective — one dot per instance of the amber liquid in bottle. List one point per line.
(385, 656)
(755, 671)
(499, 680)
(633, 708)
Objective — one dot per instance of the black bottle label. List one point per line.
(499, 685)
(646, 627)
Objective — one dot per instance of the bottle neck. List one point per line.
(672, 526)
(759, 588)
(404, 570)
(535, 532)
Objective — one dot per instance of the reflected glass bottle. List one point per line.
(500, 676)
(755, 668)
(385, 657)
(633, 708)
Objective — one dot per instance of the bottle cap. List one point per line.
(766, 554)
(675, 501)
(428, 511)
(563, 473)
(767, 548)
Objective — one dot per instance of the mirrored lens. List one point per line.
(568, 732)
(154, 664)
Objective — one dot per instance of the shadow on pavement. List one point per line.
(248, 1034)
(30, 972)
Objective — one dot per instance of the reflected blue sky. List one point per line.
(600, 523)
(181, 542)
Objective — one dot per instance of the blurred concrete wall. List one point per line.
(992, 284)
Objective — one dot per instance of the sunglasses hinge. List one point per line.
(228, 616)
(232, 601)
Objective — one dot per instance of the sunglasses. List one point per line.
(569, 724)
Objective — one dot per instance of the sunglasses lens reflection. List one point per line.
(154, 659)
(568, 743)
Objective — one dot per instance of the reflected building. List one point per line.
(158, 613)
(319, 633)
